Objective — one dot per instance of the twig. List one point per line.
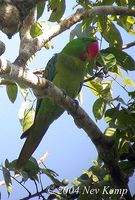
(40, 71)
(14, 178)
(6, 82)
(35, 194)
(126, 46)
(118, 83)
(97, 74)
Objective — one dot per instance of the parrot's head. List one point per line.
(91, 50)
(84, 48)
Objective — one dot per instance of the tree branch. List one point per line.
(34, 45)
(42, 88)
(126, 46)
(2, 47)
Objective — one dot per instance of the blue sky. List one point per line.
(70, 150)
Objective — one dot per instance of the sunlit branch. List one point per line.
(126, 46)
(31, 46)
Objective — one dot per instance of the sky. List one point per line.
(69, 149)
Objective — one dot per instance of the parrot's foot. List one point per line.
(64, 93)
(78, 119)
(76, 104)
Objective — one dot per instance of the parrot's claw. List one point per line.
(77, 120)
(64, 93)
(76, 103)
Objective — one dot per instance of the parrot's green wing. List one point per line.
(50, 69)
(49, 74)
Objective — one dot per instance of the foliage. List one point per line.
(119, 113)
(32, 171)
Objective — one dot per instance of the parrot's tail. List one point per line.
(30, 145)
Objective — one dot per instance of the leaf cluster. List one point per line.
(33, 172)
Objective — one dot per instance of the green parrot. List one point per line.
(66, 70)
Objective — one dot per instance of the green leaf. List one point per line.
(128, 167)
(25, 176)
(95, 178)
(128, 81)
(36, 30)
(32, 169)
(106, 93)
(7, 179)
(123, 59)
(99, 108)
(122, 2)
(28, 119)
(132, 94)
(51, 174)
(58, 9)
(11, 165)
(110, 131)
(111, 114)
(108, 2)
(125, 119)
(85, 3)
(90, 67)
(40, 8)
(131, 2)
(7, 163)
(32, 159)
(107, 178)
(110, 33)
(123, 146)
(82, 30)
(23, 91)
(126, 22)
(121, 119)
(12, 91)
(22, 110)
(95, 87)
(108, 60)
